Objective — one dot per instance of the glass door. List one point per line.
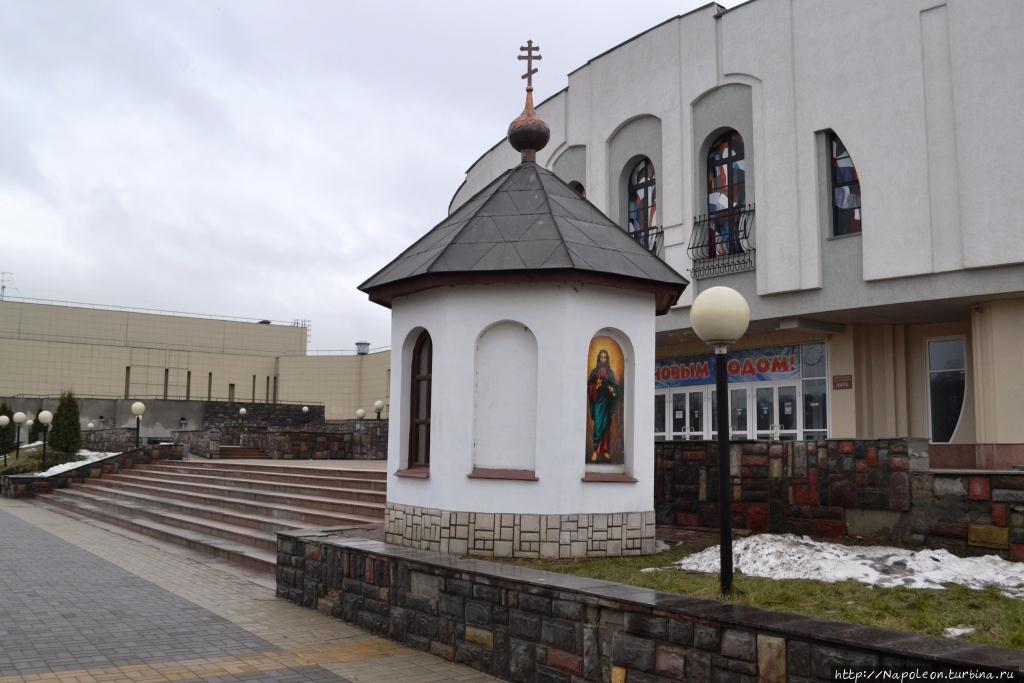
(776, 413)
(738, 425)
(660, 415)
(688, 414)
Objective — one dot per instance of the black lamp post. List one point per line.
(720, 316)
(138, 408)
(378, 407)
(241, 424)
(19, 419)
(45, 418)
(4, 422)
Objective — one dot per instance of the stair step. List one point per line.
(353, 473)
(225, 491)
(334, 492)
(305, 517)
(228, 452)
(322, 478)
(236, 552)
(265, 540)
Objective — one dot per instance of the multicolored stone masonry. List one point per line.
(520, 535)
(872, 488)
(344, 440)
(525, 625)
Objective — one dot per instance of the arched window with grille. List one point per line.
(419, 405)
(642, 196)
(727, 193)
(845, 191)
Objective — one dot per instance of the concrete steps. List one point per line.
(231, 511)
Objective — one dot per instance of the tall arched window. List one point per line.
(727, 193)
(845, 191)
(642, 196)
(419, 408)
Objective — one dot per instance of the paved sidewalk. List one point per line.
(80, 602)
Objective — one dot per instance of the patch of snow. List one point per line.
(786, 556)
(83, 458)
(957, 631)
(34, 444)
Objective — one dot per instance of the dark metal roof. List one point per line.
(527, 219)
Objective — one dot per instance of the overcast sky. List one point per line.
(259, 159)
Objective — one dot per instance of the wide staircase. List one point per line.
(232, 510)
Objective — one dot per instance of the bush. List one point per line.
(66, 431)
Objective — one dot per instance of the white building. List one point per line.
(849, 154)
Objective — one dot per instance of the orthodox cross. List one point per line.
(529, 49)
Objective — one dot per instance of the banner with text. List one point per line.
(751, 365)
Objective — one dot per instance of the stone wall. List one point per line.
(108, 440)
(223, 414)
(969, 512)
(520, 624)
(346, 440)
(515, 535)
(822, 488)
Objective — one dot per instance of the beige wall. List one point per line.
(342, 383)
(998, 361)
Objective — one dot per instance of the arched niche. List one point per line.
(635, 139)
(505, 398)
(610, 402)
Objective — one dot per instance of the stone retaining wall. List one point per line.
(223, 414)
(520, 624)
(28, 485)
(345, 440)
(108, 440)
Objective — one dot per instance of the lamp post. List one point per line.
(4, 421)
(378, 407)
(305, 409)
(138, 408)
(241, 423)
(720, 316)
(45, 418)
(90, 426)
(19, 419)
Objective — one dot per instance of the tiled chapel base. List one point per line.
(520, 535)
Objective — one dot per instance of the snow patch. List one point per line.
(83, 458)
(786, 556)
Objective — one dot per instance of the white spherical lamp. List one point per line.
(29, 423)
(46, 417)
(4, 420)
(138, 408)
(360, 413)
(720, 315)
(19, 418)
(305, 409)
(90, 426)
(242, 412)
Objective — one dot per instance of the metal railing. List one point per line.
(650, 239)
(723, 242)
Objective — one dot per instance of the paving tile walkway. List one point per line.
(86, 603)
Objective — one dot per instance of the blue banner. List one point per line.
(751, 365)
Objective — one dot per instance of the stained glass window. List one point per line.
(643, 196)
(727, 179)
(845, 191)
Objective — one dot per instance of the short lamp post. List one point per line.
(138, 408)
(360, 413)
(19, 419)
(45, 418)
(241, 424)
(4, 421)
(720, 316)
(305, 409)
(378, 407)
(91, 425)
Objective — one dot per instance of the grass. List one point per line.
(997, 619)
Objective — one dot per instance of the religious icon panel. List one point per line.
(605, 402)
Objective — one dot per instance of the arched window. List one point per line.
(845, 191)
(642, 196)
(578, 188)
(727, 194)
(419, 407)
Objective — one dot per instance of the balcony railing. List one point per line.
(723, 242)
(650, 239)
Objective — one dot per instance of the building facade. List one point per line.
(107, 353)
(833, 163)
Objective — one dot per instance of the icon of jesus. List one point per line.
(603, 392)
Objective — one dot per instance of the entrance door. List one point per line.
(688, 414)
(776, 412)
(738, 423)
